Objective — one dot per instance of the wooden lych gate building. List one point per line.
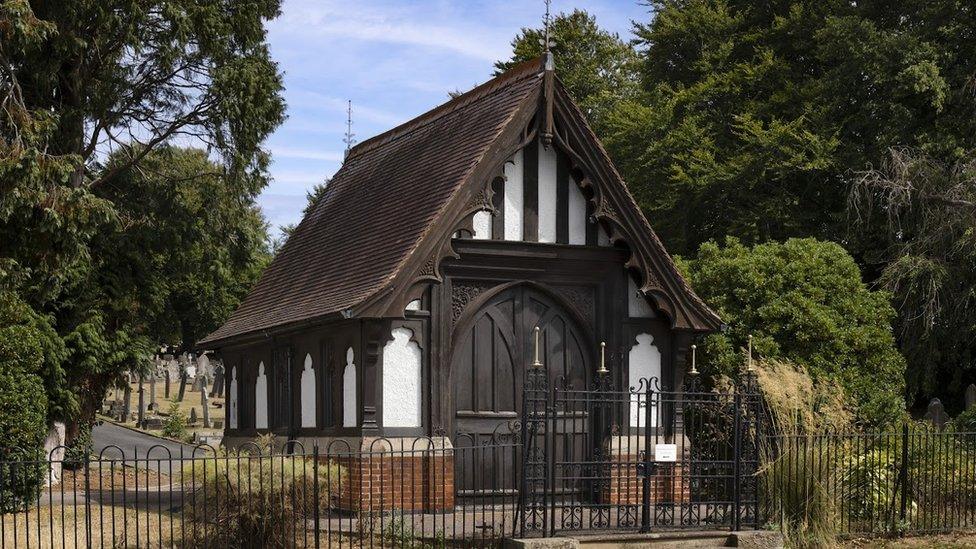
(404, 303)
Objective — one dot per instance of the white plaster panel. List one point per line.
(644, 362)
(413, 305)
(349, 390)
(514, 198)
(261, 399)
(232, 405)
(308, 393)
(481, 225)
(547, 194)
(577, 213)
(401, 380)
(637, 304)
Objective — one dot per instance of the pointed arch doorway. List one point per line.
(493, 347)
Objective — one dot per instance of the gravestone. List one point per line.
(166, 384)
(218, 384)
(126, 401)
(971, 396)
(142, 405)
(193, 416)
(153, 405)
(936, 414)
(205, 406)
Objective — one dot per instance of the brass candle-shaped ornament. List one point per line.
(694, 370)
(603, 359)
(749, 359)
(536, 363)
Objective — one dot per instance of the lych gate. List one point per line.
(401, 311)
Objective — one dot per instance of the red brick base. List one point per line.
(668, 483)
(380, 481)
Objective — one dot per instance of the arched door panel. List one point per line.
(491, 352)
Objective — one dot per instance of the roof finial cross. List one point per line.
(547, 36)
(547, 21)
(349, 138)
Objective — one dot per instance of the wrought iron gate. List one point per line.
(644, 458)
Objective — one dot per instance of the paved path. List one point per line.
(145, 449)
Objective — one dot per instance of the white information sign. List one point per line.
(666, 452)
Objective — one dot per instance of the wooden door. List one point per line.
(491, 353)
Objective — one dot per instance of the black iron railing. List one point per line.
(912, 478)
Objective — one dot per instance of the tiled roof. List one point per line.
(377, 208)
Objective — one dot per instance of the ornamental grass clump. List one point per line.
(257, 499)
(795, 476)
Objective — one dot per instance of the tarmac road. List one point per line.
(139, 448)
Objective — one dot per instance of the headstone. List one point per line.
(54, 452)
(142, 406)
(127, 401)
(152, 392)
(166, 384)
(971, 396)
(193, 416)
(218, 384)
(204, 405)
(936, 413)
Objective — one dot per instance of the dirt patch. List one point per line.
(962, 540)
(102, 476)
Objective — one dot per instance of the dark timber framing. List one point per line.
(336, 287)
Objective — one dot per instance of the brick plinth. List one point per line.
(402, 480)
(669, 482)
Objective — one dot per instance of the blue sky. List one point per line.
(394, 60)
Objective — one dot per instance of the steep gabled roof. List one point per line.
(377, 208)
(388, 214)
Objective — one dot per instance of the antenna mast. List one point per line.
(349, 138)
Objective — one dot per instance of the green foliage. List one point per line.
(312, 197)
(804, 302)
(191, 243)
(24, 350)
(79, 450)
(77, 77)
(755, 114)
(176, 423)
(597, 67)
(965, 422)
(927, 208)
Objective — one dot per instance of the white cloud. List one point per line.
(411, 24)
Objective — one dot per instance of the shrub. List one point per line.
(965, 422)
(176, 424)
(79, 449)
(804, 302)
(237, 499)
(22, 429)
(23, 410)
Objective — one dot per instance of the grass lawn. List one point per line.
(66, 526)
(191, 400)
